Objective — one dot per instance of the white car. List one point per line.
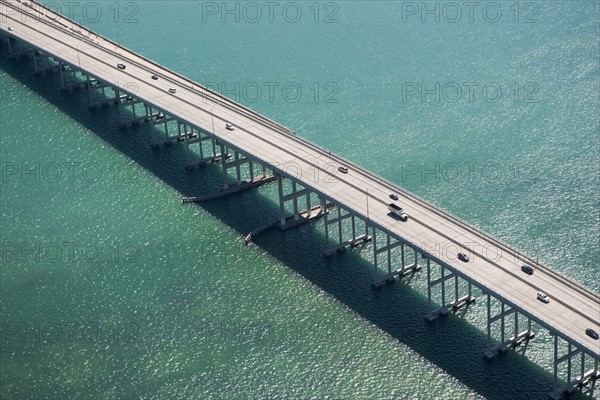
(172, 90)
(229, 127)
(10, 28)
(543, 297)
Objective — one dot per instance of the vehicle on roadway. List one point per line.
(343, 169)
(592, 333)
(10, 28)
(543, 297)
(397, 211)
(121, 66)
(463, 257)
(527, 269)
(229, 127)
(172, 90)
(154, 77)
(394, 196)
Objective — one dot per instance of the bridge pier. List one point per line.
(386, 250)
(197, 141)
(457, 303)
(302, 210)
(164, 121)
(98, 94)
(238, 161)
(342, 244)
(127, 105)
(44, 63)
(293, 196)
(518, 336)
(68, 77)
(185, 134)
(588, 369)
(17, 48)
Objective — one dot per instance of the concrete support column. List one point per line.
(339, 222)
(555, 381)
(489, 317)
(295, 200)
(428, 279)
(403, 258)
(238, 172)
(375, 247)
(325, 216)
(443, 283)
(281, 201)
(224, 166)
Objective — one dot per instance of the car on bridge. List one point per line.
(229, 127)
(463, 257)
(121, 66)
(172, 90)
(592, 333)
(10, 28)
(543, 297)
(154, 77)
(394, 196)
(343, 169)
(527, 269)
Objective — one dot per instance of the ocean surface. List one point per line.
(110, 288)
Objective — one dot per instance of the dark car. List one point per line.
(154, 77)
(394, 196)
(592, 333)
(527, 269)
(121, 66)
(463, 257)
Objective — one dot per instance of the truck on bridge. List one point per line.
(398, 211)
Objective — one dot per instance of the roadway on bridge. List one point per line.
(493, 265)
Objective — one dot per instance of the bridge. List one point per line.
(352, 203)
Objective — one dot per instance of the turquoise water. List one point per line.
(111, 289)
